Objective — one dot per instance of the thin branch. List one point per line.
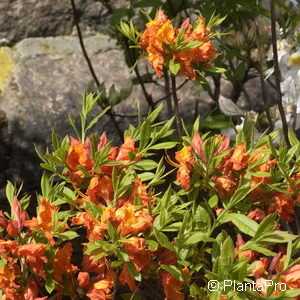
(148, 97)
(176, 107)
(261, 75)
(76, 21)
(128, 116)
(90, 66)
(168, 93)
(238, 85)
(277, 73)
(217, 83)
(146, 94)
(271, 83)
(171, 93)
(107, 5)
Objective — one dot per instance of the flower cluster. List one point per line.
(234, 164)
(182, 49)
(105, 230)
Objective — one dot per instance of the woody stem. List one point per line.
(277, 74)
(176, 107)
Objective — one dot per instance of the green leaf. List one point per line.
(133, 272)
(256, 247)
(242, 222)
(146, 176)
(267, 226)
(152, 245)
(240, 194)
(279, 237)
(240, 71)
(217, 122)
(50, 285)
(293, 138)
(188, 45)
(292, 293)
(174, 67)
(152, 116)
(146, 165)
(10, 192)
(202, 218)
(227, 256)
(95, 119)
(163, 240)
(144, 134)
(213, 201)
(214, 70)
(67, 235)
(165, 145)
(195, 238)
(173, 270)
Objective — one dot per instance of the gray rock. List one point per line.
(44, 83)
(30, 18)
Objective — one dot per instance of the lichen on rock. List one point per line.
(6, 67)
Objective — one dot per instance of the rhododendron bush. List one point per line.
(158, 217)
(112, 222)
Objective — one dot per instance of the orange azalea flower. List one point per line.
(131, 220)
(35, 256)
(101, 289)
(280, 264)
(284, 205)
(140, 256)
(256, 214)
(155, 38)
(79, 154)
(100, 187)
(44, 219)
(18, 214)
(224, 143)
(204, 53)
(102, 141)
(139, 190)
(93, 226)
(126, 279)
(126, 147)
(160, 36)
(62, 262)
(31, 291)
(185, 159)
(167, 257)
(247, 254)
(7, 249)
(83, 279)
(260, 266)
(14, 227)
(3, 220)
(292, 277)
(8, 286)
(172, 287)
(197, 144)
(238, 159)
(225, 184)
(265, 167)
(90, 264)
